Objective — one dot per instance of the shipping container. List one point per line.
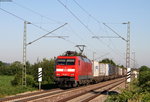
(96, 69)
(124, 72)
(107, 69)
(120, 71)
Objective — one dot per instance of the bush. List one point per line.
(146, 97)
(144, 77)
(18, 80)
(139, 90)
(11, 69)
(30, 80)
(47, 71)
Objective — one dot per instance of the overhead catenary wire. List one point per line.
(81, 38)
(115, 32)
(33, 25)
(74, 44)
(22, 19)
(39, 15)
(36, 25)
(94, 19)
(112, 50)
(76, 17)
(35, 12)
(87, 12)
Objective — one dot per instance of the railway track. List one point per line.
(30, 96)
(94, 93)
(98, 95)
(80, 94)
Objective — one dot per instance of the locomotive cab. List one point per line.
(71, 71)
(65, 71)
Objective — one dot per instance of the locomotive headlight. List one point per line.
(58, 74)
(72, 74)
(71, 70)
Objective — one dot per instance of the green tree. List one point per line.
(144, 68)
(1, 63)
(47, 70)
(109, 61)
(144, 78)
(17, 79)
(30, 70)
(15, 67)
(3, 70)
(11, 69)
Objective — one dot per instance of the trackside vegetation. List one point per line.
(137, 91)
(11, 80)
(11, 76)
(7, 89)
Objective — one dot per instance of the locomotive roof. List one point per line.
(82, 58)
(67, 56)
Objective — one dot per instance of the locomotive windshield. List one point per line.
(65, 61)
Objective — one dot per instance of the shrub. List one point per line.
(12, 69)
(30, 80)
(18, 80)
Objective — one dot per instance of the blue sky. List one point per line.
(111, 12)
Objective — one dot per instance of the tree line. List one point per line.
(15, 68)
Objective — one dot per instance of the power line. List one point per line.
(73, 43)
(81, 38)
(115, 32)
(96, 21)
(80, 20)
(69, 41)
(35, 12)
(87, 12)
(23, 19)
(31, 23)
(115, 52)
(76, 17)
(43, 28)
(13, 15)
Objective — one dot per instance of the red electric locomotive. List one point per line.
(71, 71)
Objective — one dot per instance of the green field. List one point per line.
(7, 89)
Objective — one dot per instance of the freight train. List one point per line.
(72, 71)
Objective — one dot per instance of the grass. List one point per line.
(6, 89)
(134, 93)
